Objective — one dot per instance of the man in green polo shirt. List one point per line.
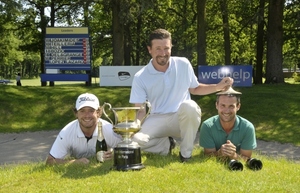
(227, 134)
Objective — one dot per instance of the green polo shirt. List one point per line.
(242, 135)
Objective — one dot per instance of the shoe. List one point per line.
(172, 144)
(183, 159)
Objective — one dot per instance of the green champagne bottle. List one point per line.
(101, 145)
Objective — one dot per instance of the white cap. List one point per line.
(87, 100)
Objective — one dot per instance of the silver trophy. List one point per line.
(127, 154)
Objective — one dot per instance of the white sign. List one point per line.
(52, 71)
(117, 75)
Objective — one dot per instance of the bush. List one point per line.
(296, 77)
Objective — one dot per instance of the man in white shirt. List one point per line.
(77, 140)
(167, 82)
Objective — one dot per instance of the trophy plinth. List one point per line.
(127, 154)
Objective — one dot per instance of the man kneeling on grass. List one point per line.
(228, 135)
(78, 138)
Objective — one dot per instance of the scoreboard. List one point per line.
(67, 48)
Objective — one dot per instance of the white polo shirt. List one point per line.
(71, 141)
(164, 90)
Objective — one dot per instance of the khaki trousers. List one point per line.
(157, 128)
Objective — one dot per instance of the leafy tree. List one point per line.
(10, 55)
(207, 32)
(291, 52)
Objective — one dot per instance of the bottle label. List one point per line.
(100, 156)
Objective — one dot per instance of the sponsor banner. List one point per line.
(242, 74)
(117, 75)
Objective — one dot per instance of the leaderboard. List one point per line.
(67, 48)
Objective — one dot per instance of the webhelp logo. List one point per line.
(242, 74)
(123, 75)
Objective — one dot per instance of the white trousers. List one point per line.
(157, 128)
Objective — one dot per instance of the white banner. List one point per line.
(117, 75)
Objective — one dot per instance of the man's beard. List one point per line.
(162, 60)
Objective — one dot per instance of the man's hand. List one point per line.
(228, 149)
(225, 84)
(108, 155)
(81, 161)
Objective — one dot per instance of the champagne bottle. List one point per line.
(101, 145)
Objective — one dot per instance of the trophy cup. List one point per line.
(127, 154)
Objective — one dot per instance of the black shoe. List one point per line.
(183, 159)
(172, 144)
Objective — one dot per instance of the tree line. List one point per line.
(262, 33)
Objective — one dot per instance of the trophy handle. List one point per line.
(103, 110)
(146, 103)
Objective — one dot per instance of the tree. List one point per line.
(10, 54)
(274, 71)
(201, 29)
(226, 31)
(291, 52)
(118, 33)
(259, 43)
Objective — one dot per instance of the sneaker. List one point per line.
(183, 159)
(172, 144)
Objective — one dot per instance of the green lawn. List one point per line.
(273, 109)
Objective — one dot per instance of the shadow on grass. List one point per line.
(86, 171)
(159, 161)
(151, 162)
(78, 171)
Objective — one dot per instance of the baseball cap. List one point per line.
(87, 100)
(229, 91)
